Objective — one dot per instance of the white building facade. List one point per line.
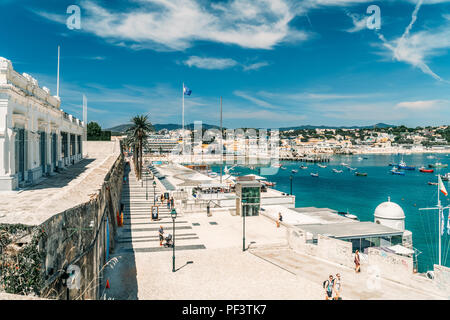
(37, 138)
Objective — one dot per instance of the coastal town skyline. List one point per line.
(284, 64)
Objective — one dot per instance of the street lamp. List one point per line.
(154, 192)
(146, 185)
(243, 224)
(173, 213)
(290, 178)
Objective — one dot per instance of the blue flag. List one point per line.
(186, 91)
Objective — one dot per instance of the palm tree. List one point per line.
(137, 135)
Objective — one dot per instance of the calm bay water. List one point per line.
(361, 195)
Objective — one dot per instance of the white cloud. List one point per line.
(177, 24)
(255, 66)
(255, 100)
(210, 63)
(421, 105)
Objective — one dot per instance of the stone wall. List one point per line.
(390, 265)
(335, 250)
(78, 239)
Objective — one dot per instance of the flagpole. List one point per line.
(57, 77)
(440, 215)
(182, 117)
(221, 142)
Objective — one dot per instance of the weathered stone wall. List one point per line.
(335, 250)
(390, 265)
(76, 239)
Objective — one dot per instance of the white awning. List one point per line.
(399, 249)
(213, 185)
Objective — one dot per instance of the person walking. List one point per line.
(337, 287)
(168, 204)
(328, 285)
(171, 202)
(280, 219)
(357, 262)
(161, 235)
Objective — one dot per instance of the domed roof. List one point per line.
(389, 210)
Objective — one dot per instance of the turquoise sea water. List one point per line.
(361, 195)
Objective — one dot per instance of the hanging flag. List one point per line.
(441, 186)
(186, 90)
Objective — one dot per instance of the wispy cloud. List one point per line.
(422, 105)
(210, 63)
(255, 66)
(414, 49)
(177, 24)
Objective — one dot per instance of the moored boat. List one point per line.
(360, 174)
(321, 165)
(423, 169)
(316, 175)
(337, 171)
(283, 168)
(395, 171)
(438, 165)
(402, 165)
(294, 171)
(303, 167)
(432, 183)
(446, 177)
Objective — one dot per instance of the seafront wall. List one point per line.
(36, 260)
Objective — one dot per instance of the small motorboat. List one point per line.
(303, 167)
(351, 169)
(432, 183)
(422, 169)
(321, 165)
(337, 171)
(395, 171)
(446, 177)
(268, 183)
(344, 164)
(276, 165)
(360, 158)
(316, 175)
(283, 168)
(294, 171)
(438, 165)
(402, 165)
(361, 174)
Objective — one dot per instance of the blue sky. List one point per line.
(276, 63)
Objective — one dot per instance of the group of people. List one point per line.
(333, 287)
(169, 201)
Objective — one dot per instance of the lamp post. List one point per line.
(146, 185)
(154, 192)
(290, 178)
(173, 213)
(243, 225)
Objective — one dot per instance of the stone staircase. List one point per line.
(139, 233)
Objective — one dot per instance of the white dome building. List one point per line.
(390, 215)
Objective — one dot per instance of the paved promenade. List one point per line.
(210, 262)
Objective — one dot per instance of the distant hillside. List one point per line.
(378, 125)
(169, 126)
